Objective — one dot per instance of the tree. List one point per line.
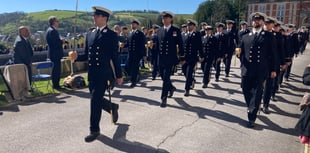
(218, 11)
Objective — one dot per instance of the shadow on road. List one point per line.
(274, 127)
(218, 100)
(124, 98)
(204, 112)
(120, 142)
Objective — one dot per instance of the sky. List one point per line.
(176, 6)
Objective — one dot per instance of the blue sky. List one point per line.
(176, 6)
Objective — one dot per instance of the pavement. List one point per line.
(211, 120)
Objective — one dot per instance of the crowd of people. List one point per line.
(266, 52)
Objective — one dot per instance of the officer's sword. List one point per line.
(111, 110)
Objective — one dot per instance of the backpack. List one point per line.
(74, 81)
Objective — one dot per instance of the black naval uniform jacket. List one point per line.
(209, 48)
(168, 50)
(292, 44)
(258, 54)
(136, 44)
(280, 48)
(241, 33)
(221, 45)
(102, 55)
(184, 36)
(192, 47)
(232, 40)
(154, 50)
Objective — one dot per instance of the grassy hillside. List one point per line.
(43, 16)
(38, 21)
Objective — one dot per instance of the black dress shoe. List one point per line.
(204, 86)
(273, 98)
(163, 102)
(115, 113)
(171, 92)
(186, 94)
(92, 136)
(250, 124)
(132, 85)
(265, 110)
(227, 75)
(216, 80)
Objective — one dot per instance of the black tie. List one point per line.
(97, 34)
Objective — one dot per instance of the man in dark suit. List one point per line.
(55, 50)
(243, 30)
(232, 41)
(281, 54)
(123, 40)
(208, 55)
(257, 61)
(154, 51)
(184, 32)
(101, 51)
(192, 48)
(292, 47)
(221, 46)
(170, 47)
(202, 28)
(136, 49)
(269, 83)
(23, 51)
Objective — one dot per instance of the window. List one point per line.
(262, 8)
(281, 12)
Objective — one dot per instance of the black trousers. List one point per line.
(97, 90)
(155, 65)
(165, 73)
(227, 62)
(269, 85)
(207, 71)
(56, 72)
(134, 63)
(217, 68)
(288, 71)
(252, 88)
(188, 71)
(275, 86)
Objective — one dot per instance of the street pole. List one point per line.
(75, 24)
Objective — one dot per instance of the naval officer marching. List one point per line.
(170, 47)
(257, 63)
(101, 51)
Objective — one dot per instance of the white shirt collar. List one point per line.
(168, 27)
(255, 31)
(101, 28)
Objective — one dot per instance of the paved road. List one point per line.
(211, 120)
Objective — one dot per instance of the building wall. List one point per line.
(287, 11)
